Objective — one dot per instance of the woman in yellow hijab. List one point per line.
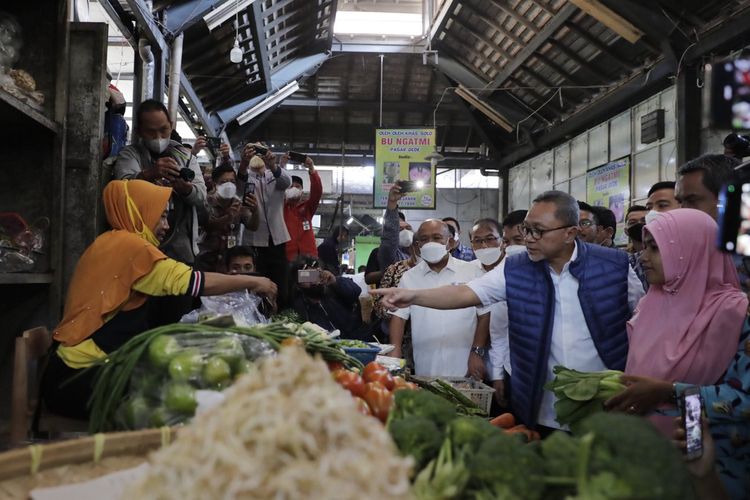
(107, 297)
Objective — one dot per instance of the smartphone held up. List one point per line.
(691, 413)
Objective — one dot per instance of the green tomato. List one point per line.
(180, 398)
(230, 350)
(186, 365)
(162, 349)
(216, 371)
(161, 417)
(136, 412)
(243, 367)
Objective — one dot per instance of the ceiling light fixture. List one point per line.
(484, 108)
(235, 55)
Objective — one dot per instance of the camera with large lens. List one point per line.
(187, 174)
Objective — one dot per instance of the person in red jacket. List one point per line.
(298, 214)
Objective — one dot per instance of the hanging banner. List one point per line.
(400, 155)
(609, 186)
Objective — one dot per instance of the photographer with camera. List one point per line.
(157, 159)
(259, 174)
(227, 213)
(329, 301)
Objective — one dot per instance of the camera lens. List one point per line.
(186, 174)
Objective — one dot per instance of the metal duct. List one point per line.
(175, 68)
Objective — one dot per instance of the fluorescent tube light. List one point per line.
(225, 11)
(268, 102)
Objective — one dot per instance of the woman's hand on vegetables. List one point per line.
(263, 286)
(642, 395)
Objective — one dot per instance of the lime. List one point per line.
(216, 371)
(162, 349)
(186, 365)
(180, 397)
(230, 350)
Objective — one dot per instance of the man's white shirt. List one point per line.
(441, 339)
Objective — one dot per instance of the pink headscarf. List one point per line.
(687, 329)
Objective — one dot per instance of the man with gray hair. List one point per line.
(441, 340)
(568, 303)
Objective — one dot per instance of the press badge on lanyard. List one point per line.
(306, 225)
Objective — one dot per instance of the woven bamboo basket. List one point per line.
(76, 460)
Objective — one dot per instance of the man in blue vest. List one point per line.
(568, 303)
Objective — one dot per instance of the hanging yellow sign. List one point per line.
(400, 156)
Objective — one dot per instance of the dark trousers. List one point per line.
(63, 396)
(271, 263)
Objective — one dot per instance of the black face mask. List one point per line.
(635, 232)
(315, 291)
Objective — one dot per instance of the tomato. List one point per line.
(362, 406)
(375, 372)
(350, 381)
(380, 401)
(372, 368)
(401, 383)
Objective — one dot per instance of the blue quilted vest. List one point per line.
(602, 275)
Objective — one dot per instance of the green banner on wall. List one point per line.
(609, 186)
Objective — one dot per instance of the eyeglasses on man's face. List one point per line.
(488, 240)
(537, 233)
(585, 223)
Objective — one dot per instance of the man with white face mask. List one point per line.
(489, 357)
(156, 158)
(226, 213)
(441, 339)
(298, 213)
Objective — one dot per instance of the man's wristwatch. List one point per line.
(479, 351)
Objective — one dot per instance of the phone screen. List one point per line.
(742, 244)
(691, 421)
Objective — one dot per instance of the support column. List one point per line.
(83, 153)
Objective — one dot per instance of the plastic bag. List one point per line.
(243, 307)
(176, 369)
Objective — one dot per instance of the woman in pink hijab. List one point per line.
(687, 326)
(686, 331)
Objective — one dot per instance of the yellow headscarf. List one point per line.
(101, 284)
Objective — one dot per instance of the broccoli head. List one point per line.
(468, 433)
(504, 468)
(422, 404)
(418, 437)
(630, 452)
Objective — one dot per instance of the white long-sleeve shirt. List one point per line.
(571, 344)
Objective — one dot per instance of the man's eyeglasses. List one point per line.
(537, 233)
(489, 240)
(585, 223)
